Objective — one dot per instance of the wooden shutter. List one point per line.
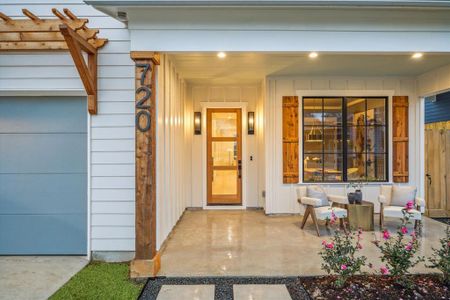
(400, 138)
(290, 139)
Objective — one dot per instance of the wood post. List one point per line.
(147, 261)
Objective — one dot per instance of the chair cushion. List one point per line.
(386, 191)
(402, 194)
(396, 212)
(301, 192)
(316, 191)
(324, 212)
(311, 201)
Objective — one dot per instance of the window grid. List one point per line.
(344, 153)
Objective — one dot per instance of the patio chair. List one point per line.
(317, 204)
(394, 198)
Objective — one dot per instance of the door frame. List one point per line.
(243, 107)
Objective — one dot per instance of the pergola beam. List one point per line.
(66, 33)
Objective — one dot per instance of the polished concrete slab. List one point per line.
(260, 292)
(36, 277)
(197, 292)
(249, 243)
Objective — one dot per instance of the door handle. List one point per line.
(239, 169)
(429, 178)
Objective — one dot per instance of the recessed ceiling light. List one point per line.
(313, 55)
(221, 55)
(417, 55)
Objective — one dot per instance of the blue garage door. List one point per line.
(43, 175)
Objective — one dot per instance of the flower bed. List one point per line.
(425, 286)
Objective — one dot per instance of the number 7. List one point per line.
(144, 72)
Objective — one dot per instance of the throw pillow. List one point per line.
(402, 194)
(316, 191)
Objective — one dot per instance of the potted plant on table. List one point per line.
(356, 196)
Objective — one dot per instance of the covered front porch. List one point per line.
(249, 243)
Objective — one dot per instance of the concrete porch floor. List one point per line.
(249, 243)
(36, 277)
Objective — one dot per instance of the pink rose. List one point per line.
(330, 245)
(359, 246)
(343, 267)
(333, 218)
(409, 205)
(408, 247)
(324, 243)
(404, 230)
(386, 234)
(384, 270)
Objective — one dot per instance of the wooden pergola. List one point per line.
(66, 32)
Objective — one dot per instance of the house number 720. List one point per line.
(144, 112)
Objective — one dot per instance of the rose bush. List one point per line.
(399, 252)
(339, 255)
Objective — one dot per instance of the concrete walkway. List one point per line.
(36, 277)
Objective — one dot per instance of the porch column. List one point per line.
(146, 262)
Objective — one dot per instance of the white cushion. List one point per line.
(324, 212)
(396, 212)
(315, 191)
(311, 201)
(301, 192)
(386, 191)
(402, 194)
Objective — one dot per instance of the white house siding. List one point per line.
(173, 162)
(434, 81)
(111, 131)
(281, 198)
(202, 95)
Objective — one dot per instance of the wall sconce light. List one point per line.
(197, 123)
(251, 122)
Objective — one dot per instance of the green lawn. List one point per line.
(100, 280)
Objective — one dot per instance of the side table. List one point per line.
(361, 215)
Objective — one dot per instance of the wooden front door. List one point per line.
(437, 169)
(224, 156)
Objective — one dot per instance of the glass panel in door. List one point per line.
(224, 156)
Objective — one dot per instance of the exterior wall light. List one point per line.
(197, 123)
(251, 122)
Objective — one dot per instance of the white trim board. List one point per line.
(243, 107)
(346, 93)
(43, 92)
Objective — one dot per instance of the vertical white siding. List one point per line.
(112, 130)
(435, 81)
(173, 162)
(281, 198)
(249, 94)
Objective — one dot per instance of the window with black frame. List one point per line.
(344, 139)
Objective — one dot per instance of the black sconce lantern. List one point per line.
(197, 123)
(251, 122)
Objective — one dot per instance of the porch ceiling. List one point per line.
(249, 68)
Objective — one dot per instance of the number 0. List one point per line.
(145, 114)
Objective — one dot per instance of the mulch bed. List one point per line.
(375, 287)
(427, 286)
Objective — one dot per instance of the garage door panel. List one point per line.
(32, 193)
(43, 114)
(43, 175)
(32, 234)
(43, 153)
